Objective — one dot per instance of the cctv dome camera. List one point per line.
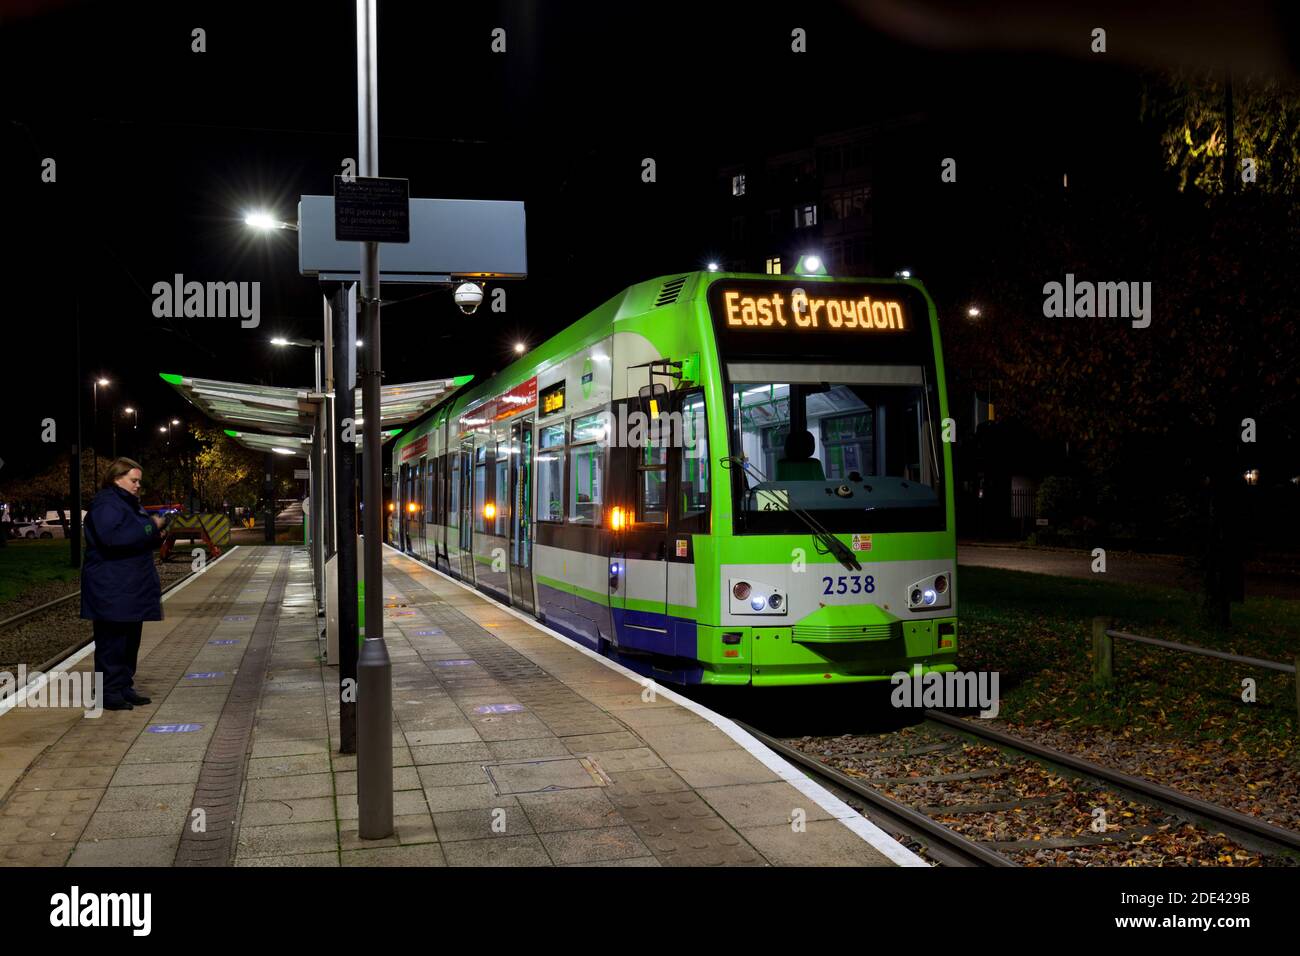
(469, 296)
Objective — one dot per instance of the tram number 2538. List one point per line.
(850, 584)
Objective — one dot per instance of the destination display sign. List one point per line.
(809, 308)
(813, 308)
(552, 399)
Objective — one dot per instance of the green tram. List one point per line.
(784, 517)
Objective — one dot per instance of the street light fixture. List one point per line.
(973, 312)
(265, 222)
(281, 341)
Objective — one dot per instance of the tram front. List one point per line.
(839, 564)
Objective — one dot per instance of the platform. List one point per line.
(512, 747)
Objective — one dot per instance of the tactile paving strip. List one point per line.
(222, 775)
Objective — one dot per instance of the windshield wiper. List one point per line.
(829, 544)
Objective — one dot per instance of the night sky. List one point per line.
(161, 150)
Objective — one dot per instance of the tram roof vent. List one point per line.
(671, 289)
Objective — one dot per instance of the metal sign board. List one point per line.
(372, 209)
(450, 238)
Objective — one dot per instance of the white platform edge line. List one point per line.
(837, 808)
(74, 659)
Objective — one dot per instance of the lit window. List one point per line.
(774, 266)
(738, 184)
(550, 474)
(805, 216)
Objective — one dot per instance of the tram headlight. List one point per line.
(932, 592)
(764, 596)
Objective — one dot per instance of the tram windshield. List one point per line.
(853, 446)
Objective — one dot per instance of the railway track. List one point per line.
(979, 807)
(62, 617)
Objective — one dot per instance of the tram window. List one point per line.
(652, 483)
(439, 491)
(480, 490)
(453, 507)
(587, 479)
(550, 473)
(587, 428)
(501, 491)
(695, 457)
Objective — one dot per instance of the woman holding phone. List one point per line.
(120, 589)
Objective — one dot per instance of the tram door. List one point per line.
(521, 513)
(467, 506)
(645, 552)
(404, 518)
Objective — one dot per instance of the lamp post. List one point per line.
(315, 485)
(167, 429)
(374, 666)
(94, 422)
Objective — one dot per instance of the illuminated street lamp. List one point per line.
(520, 348)
(973, 312)
(281, 342)
(94, 419)
(264, 222)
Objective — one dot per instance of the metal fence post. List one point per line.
(1103, 654)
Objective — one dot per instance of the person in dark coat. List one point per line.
(120, 589)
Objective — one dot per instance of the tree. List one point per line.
(1159, 411)
(224, 471)
(1188, 109)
